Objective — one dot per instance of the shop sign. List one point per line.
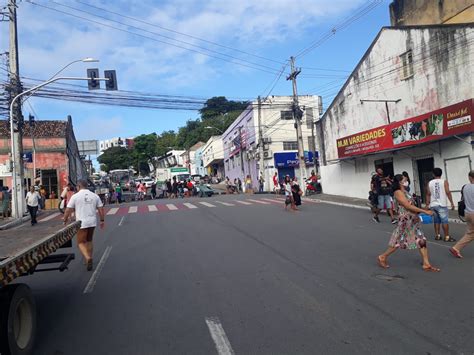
(449, 121)
(179, 170)
(290, 159)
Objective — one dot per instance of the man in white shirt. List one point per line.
(85, 203)
(468, 197)
(32, 202)
(437, 196)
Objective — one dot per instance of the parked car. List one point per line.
(204, 190)
(148, 182)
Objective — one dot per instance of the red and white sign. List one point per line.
(449, 121)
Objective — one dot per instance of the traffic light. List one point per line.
(110, 84)
(31, 119)
(92, 83)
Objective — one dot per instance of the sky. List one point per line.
(260, 35)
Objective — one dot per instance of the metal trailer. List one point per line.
(22, 251)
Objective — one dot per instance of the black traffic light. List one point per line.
(92, 83)
(31, 119)
(110, 84)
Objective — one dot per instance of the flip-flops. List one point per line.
(431, 269)
(382, 263)
(455, 253)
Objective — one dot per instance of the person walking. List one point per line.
(468, 198)
(437, 196)
(408, 234)
(118, 194)
(85, 204)
(32, 202)
(382, 185)
(261, 183)
(289, 200)
(153, 190)
(296, 192)
(276, 184)
(248, 185)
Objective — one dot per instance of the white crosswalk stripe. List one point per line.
(171, 207)
(152, 208)
(225, 203)
(243, 202)
(133, 209)
(270, 200)
(258, 201)
(189, 205)
(113, 210)
(207, 204)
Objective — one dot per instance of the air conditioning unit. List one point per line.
(268, 154)
(266, 140)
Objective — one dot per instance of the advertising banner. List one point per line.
(449, 121)
(290, 159)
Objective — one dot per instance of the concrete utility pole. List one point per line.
(297, 115)
(241, 154)
(261, 159)
(18, 197)
(310, 117)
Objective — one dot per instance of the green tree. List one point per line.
(115, 158)
(165, 142)
(144, 150)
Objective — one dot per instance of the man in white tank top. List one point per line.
(437, 196)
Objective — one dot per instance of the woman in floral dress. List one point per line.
(408, 234)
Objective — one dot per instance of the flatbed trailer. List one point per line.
(24, 251)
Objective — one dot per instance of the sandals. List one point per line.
(449, 239)
(438, 237)
(431, 269)
(89, 265)
(382, 263)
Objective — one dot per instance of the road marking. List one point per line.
(225, 203)
(121, 221)
(243, 202)
(258, 201)
(54, 215)
(207, 204)
(93, 280)
(133, 209)
(171, 207)
(272, 201)
(221, 341)
(113, 211)
(189, 205)
(152, 208)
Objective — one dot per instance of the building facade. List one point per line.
(51, 155)
(199, 164)
(407, 106)
(431, 12)
(115, 142)
(189, 157)
(213, 157)
(241, 139)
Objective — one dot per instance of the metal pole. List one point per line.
(299, 133)
(388, 112)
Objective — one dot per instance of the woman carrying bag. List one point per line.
(408, 234)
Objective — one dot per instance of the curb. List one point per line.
(342, 204)
(14, 223)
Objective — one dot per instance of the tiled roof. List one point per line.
(42, 129)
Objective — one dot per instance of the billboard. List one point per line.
(449, 121)
(90, 147)
(290, 159)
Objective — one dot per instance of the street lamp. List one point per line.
(84, 60)
(217, 129)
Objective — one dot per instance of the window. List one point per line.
(286, 115)
(386, 165)
(290, 145)
(309, 117)
(407, 65)
(361, 166)
(311, 144)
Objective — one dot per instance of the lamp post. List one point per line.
(18, 200)
(217, 129)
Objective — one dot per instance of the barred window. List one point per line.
(407, 65)
(286, 115)
(293, 145)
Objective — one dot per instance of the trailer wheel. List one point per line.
(17, 320)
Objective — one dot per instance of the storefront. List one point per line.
(441, 138)
(287, 163)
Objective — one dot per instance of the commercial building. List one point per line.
(407, 106)
(189, 157)
(277, 126)
(199, 164)
(51, 155)
(213, 157)
(115, 142)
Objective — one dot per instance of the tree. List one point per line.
(115, 158)
(165, 142)
(144, 150)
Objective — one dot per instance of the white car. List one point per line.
(148, 182)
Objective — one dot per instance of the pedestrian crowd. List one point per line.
(394, 195)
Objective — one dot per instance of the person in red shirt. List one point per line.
(276, 184)
(190, 187)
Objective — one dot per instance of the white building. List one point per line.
(425, 73)
(115, 142)
(241, 152)
(213, 157)
(189, 157)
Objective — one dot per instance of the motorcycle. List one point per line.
(313, 188)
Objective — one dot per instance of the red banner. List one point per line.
(449, 121)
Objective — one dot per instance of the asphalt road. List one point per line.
(254, 279)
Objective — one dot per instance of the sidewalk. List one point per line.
(362, 204)
(10, 222)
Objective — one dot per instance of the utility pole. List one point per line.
(18, 200)
(297, 115)
(310, 118)
(241, 154)
(261, 159)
